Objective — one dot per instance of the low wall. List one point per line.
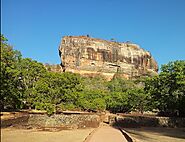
(72, 121)
(142, 121)
(61, 121)
(75, 121)
(14, 121)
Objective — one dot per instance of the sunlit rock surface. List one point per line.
(92, 56)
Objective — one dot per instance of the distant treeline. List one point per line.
(25, 83)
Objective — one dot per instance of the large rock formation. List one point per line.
(86, 55)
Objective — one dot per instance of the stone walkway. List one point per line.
(106, 134)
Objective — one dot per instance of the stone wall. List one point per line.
(61, 121)
(143, 121)
(72, 121)
(14, 121)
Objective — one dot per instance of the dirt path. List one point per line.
(21, 135)
(156, 134)
(106, 134)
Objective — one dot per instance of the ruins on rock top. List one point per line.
(92, 56)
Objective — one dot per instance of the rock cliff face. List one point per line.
(86, 55)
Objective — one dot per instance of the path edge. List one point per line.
(87, 139)
(127, 135)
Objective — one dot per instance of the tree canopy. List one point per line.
(26, 83)
(168, 89)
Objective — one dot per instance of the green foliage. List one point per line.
(26, 83)
(117, 102)
(120, 85)
(139, 100)
(95, 83)
(92, 100)
(48, 107)
(126, 96)
(30, 72)
(10, 82)
(60, 90)
(92, 96)
(168, 89)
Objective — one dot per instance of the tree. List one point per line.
(56, 91)
(11, 90)
(120, 85)
(30, 72)
(91, 100)
(92, 96)
(117, 102)
(168, 89)
(118, 98)
(139, 100)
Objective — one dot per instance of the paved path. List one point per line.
(106, 134)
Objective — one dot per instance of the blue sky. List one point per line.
(35, 27)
